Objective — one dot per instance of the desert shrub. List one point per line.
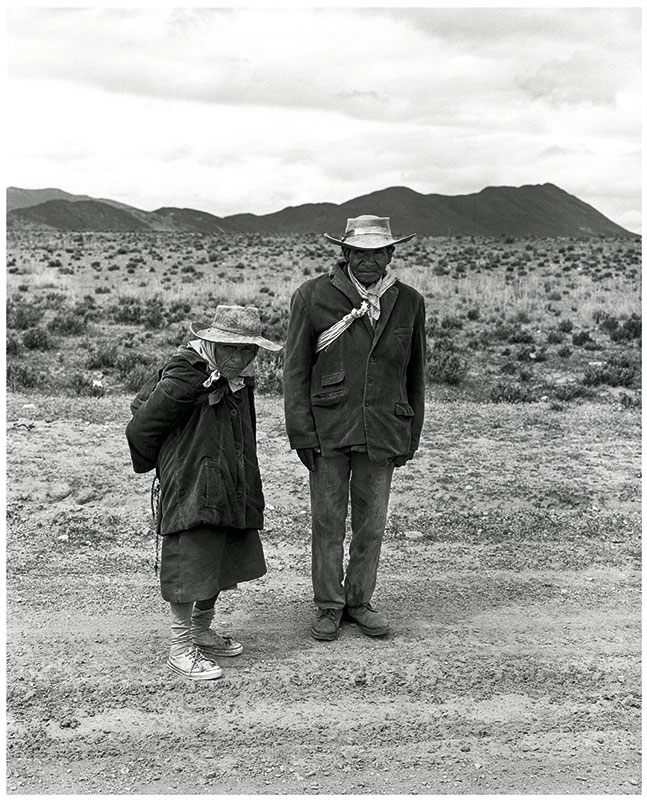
(70, 322)
(178, 311)
(532, 354)
(22, 315)
(445, 364)
(473, 314)
(130, 359)
(617, 371)
(581, 338)
(565, 352)
(13, 345)
(630, 329)
(448, 323)
(569, 391)
(127, 310)
(275, 321)
(565, 326)
(554, 337)
(84, 385)
(511, 393)
(153, 314)
(102, 355)
(269, 372)
(136, 377)
(521, 336)
(38, 338)
(630, 401)
(21, 376)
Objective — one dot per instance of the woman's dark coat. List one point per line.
(368, 386)
(203, 443)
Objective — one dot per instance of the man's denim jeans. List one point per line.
(370, 485)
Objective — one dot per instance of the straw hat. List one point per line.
(368, 233)
(236, 325)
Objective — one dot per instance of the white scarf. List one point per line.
(370, 305)
(373, 292)
(207, 350)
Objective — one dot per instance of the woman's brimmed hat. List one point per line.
(236, 325)
(368, 233)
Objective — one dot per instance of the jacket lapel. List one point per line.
(341, 282)
(387, 302)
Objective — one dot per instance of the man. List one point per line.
(354, 387)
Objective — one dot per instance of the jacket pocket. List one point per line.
(403, 410)
(219, 487)
(330, 380)
(328, 398)
(333, 396)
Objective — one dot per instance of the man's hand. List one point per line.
(400, 461)
(307, 456)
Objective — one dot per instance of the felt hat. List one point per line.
(236, 325)
(368, 233)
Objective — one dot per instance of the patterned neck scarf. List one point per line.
(373, 292)
(208, 351)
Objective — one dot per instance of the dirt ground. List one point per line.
(510, 575)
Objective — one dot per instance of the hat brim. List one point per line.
(226, 337)
(368, 241)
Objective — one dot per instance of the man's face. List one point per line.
(233, 358)
(368, 266)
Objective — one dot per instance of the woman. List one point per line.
(197, 428)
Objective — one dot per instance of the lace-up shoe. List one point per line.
(215, 645)
(370, 621)
(194, 665)
(326, 624)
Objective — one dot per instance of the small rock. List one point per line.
(360, 679)
(86, 496)
(413, 534)
(63, 538)
(465, 748)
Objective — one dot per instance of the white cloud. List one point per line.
(235, 110)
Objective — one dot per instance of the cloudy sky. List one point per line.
(251, 109)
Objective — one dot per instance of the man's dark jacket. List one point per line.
(368, 386)
(203, 443)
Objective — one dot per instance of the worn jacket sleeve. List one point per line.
(299, 354)
(175, 394)
(416, 376)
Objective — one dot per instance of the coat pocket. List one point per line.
(219, 488)
(332, 396)
(403, 410)
(331, 380)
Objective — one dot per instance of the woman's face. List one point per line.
(233, 358)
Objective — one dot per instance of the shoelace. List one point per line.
(328, 612)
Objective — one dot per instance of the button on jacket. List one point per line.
(203, 443)
(368, 386)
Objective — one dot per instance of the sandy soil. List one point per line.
(510, 575)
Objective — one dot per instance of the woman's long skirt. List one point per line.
(200, 562)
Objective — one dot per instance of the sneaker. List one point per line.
(215, 645)
(370, 621)
(326, 624)
(194, 665)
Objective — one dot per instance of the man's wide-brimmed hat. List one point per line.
(368, 233)
(236, 325)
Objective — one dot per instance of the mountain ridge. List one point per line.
(541, 210)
